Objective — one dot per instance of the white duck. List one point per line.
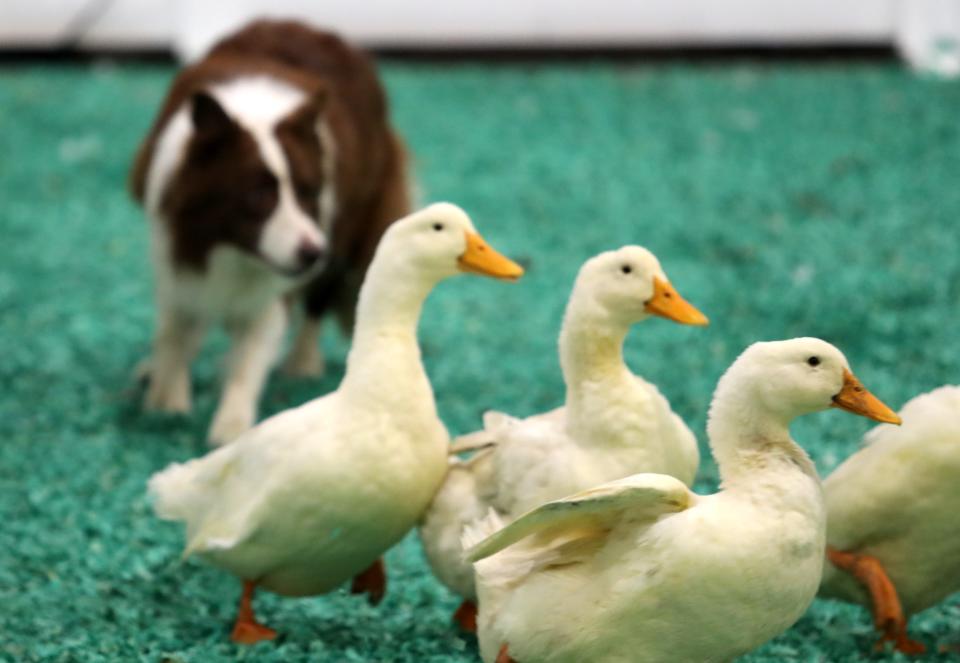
(642, 569)
(614, 423)
(892, 507)
(313, 496)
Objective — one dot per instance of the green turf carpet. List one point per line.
(783, 199)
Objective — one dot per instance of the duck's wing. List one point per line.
(588, 515)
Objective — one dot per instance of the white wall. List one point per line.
(562, 22)
(124, 24)
(926, 31)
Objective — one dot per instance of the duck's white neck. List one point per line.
(749, 441)
(384, 361)
(589, 351)
(591, 356)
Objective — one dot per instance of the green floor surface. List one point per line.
(783, 199)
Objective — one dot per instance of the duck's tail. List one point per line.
(173, 491)
(478, 530)
(494, 423)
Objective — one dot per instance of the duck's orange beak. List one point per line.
(480, 258)
(854, 397)
(667, 303)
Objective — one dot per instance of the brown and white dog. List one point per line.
(269, 175)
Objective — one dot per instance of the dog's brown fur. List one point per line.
(221, 193)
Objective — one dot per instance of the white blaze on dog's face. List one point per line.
(252, 177)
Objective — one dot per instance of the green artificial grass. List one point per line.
(783, 199)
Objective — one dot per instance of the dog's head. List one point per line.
(254, 186)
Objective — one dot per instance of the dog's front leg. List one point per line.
(176, 342)
(305, 358)
(255, 346)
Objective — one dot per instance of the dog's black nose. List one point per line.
(309, 253)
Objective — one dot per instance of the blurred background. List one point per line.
(792, 164)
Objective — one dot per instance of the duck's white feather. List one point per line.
(479, 530)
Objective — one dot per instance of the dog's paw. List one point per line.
(141, 372)
(229, 424)
(171, 396)
(304, 361)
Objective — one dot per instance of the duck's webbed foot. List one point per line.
(372, 582)
(247, 630)
(901, 642)
(888, 614)
(466, 616)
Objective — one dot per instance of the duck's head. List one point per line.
(805, 375)
(440, 241)
(628, 285)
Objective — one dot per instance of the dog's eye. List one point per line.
(438, 227)
(262, 196)
(307, 190)
(626, 269)
(813, 361)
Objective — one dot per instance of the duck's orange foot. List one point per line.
(888, 615)
(250, 633)
(504, 655)
(247, 630)
(372, 582)
(466, 616)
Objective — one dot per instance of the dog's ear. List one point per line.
(316, 103)
(307, 115)
(208, 117)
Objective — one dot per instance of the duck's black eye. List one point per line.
(814, 361)
(626, 269)
(438, 227)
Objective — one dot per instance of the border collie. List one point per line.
(268, 176)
